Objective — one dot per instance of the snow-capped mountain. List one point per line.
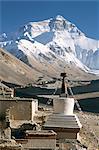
(53, 44)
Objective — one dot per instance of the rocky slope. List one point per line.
(15, 71)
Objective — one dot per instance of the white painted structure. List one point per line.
(7, 133)
(63, 105)
(63, 121)
(34, 108)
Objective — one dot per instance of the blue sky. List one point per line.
(85, 14)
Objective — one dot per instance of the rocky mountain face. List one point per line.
(15, 71)
(51, 45)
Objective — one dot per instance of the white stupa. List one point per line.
(63, 121)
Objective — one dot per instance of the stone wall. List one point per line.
(19, 110)
(39, 143)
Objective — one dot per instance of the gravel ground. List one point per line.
(90, 131)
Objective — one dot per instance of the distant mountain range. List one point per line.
(52, 45)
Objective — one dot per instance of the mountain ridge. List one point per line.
(54, 43)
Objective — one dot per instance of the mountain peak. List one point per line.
(3, 37)
(59, 17)
(55, 38)
(59, 23)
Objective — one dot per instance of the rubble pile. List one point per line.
(6, 144)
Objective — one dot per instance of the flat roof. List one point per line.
(49, 96)
(54, 96)
(17, 99)
(41, 132)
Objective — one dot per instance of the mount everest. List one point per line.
(51, 45)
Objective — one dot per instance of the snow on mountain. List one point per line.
(3, 37)
(51, 41)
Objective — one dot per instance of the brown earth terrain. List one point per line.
(15, 71)
(90, 130)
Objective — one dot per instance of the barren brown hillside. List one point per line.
(15, 71)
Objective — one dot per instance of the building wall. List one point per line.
(19, 110)
(66, 135)
(38, 143)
